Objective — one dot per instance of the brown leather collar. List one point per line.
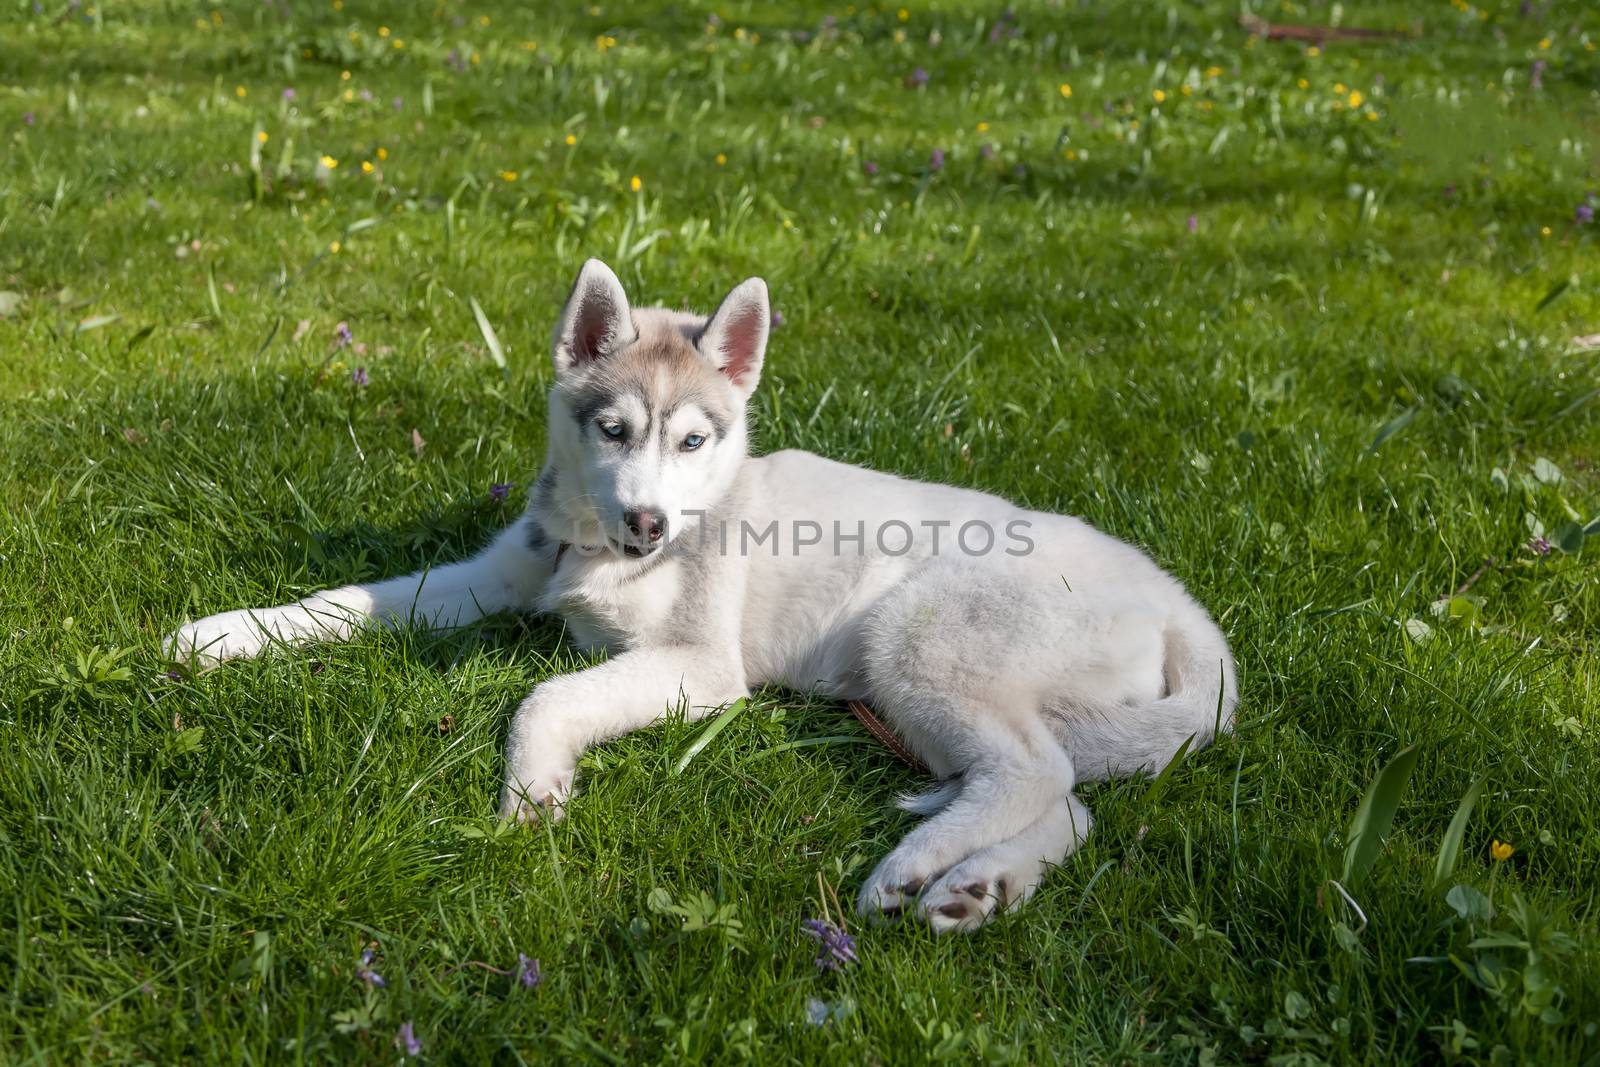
(877, 729)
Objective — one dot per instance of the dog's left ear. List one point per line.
(735, 340)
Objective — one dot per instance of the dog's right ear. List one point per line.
(596, 321)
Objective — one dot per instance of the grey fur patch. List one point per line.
(662, 369)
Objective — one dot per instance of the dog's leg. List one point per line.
(508, 575)
(1004, 874)
(1005, 789)
(569, 713)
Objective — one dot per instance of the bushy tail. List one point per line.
(1202, 693)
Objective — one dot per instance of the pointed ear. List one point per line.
(735, 340)
(596, 321)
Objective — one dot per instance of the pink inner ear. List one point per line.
(740, 344)
(593, 333)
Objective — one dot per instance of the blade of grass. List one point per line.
(490, 338)
(708, 734)
(1450, 846)
(1375, 815)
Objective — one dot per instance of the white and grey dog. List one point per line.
(1016, 652)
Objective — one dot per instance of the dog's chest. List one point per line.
(612, 607)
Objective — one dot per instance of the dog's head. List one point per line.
(647, 417)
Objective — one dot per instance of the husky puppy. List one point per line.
(1016, 652)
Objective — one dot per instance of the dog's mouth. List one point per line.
(632, 551)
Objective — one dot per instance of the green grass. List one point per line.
(1190, 321)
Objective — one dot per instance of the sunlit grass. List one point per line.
(276, 285)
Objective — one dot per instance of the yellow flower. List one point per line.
(1186, 88)
(1302, 83)
(1544, 231)
(636, 184)
(572, 139)
(605, 41)
(366, 166)
(383, 31)
(983, 127)
(722, 160)
(349, 95)
(788, 224)
(899, 36)
(398, 43)
(483, 20)
(1313, 51)
(738, 33)
(383, 153)
(344, 75)
(1356, 98)
(1338, 88)
(240, 91)
(1372, 116)
(1072, 154)
(1545, 43)
(1158, 96)
(328, 162)
(508, 175)
(1212, 72)
(530, 46)
(1501, 851)
(1066, 90)
(338, 5)
(903, 15)
(261, 135)
(334, 247)
(475, 58)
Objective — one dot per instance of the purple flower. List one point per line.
(936, 161)
(528, 972)
(358, 378)
(407, 1038)
(399, 103)
(1194, 223)
(367, 974)
(917, 79)
(1536, 79)
(1540, 546)
(1019, 171)
(1584, 214)
(366, 95)
(986, 151)
(835, 948)
(777, 319)
(342, 335)
(456, 60)
(288, 94)
(498, 493)
(27, 118)
(869, 168)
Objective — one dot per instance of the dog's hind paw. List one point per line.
(893, 888)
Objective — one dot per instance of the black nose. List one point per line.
(646, 524)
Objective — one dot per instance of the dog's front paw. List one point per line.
(532, 794)
(209, 641)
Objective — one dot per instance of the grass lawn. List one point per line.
(1299, 320)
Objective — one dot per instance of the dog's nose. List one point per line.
(646, 524)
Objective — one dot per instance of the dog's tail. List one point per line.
(1202, 691)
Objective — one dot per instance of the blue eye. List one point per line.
(612, 430)
(693, 441)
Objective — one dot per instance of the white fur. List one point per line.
(1012, 676)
